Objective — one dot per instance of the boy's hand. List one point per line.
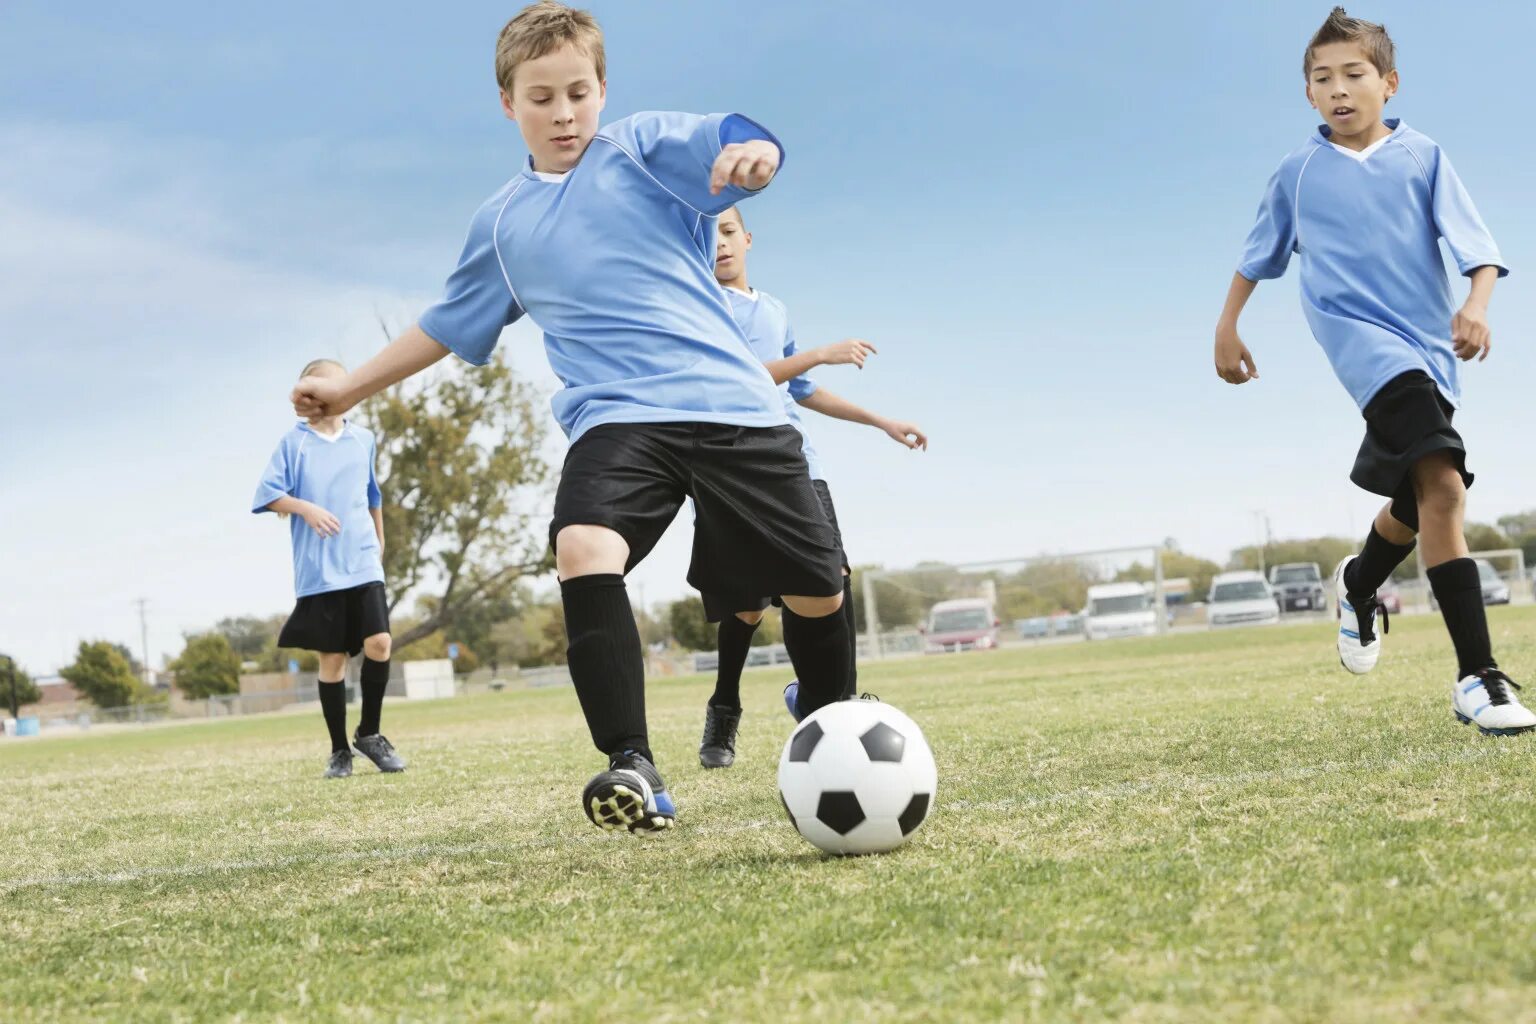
(908, 434)
(1470, 336)
(322, 522)
(849, 350)
(749, 165)
(318, 396)
(1234, 363)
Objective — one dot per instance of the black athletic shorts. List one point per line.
(715, 608)
(759, 527)
(336, 621)
(1407, 419)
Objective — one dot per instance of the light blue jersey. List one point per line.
(615, 261)
(1367, 226)
(765, 322)
(336, 474)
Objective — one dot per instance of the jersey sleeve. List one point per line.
(478, 300)
(278, 480)
(1459, 224)
(679, 151)
(801, 387)
(375, 495)
(1268, 250)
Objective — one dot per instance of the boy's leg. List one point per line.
(333, 705)
(816, 636)
(733, 642)
(603, 641)
(1389, 542)
(375, 680)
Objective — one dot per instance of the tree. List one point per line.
(16, 687)
(536, 636)
(1482, 537)
(459, 457)
(1177, 565)
(103, 675)
(207, 667)
(690, 626)
(1325, 551)
(249, 635)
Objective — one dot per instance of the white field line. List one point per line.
(1488, 751)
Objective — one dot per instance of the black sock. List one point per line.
(606, 665)
(333, 704)
(852, 689)
(735, 639)
(1459, 589)
(1366, 574)
(375, 681)
(818, 648)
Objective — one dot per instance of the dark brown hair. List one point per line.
(1341, 28)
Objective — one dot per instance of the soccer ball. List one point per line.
(857, 777)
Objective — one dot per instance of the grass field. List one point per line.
(1222, 828)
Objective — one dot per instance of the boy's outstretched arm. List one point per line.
(1469, 327)
(322, 522)
(850, 350)
(750, 165)
(823, 401)
(408, 354)
(1234, 363)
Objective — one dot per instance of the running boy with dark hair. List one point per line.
(1366, 202)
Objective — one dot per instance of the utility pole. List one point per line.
(143, 603)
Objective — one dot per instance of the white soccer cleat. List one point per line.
(1487, 700)
(1359, 645)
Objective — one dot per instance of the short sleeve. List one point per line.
(1268, 250)
(478, 300)
(375, 496)
(679, 151)
(277, 480)
(801, 387)
(1459, 224)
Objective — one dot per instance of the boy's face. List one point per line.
(556, 100)
(1346, 88)
(731, 244)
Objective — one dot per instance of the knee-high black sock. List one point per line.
(819, 650)
(735, 639)
(1459, 590)
(333, 704)
(852, 689)
(1378, 558)
(605, 661)
(375, 680)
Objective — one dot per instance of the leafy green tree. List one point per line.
(207, 667)
(1178, 565)
(459, 455)
(536, 636)
(16, 687)
(102, 675)
(690, 626)
(1325, 551)
(250, 636)
(1483, 537)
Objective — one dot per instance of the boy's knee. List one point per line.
(750, 618)
(377, 647)
(814, 607)
(332, 667)
(589, 550)
(1440, 490)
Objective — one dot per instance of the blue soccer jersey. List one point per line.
(1367, 227)
(336, 474)
(765, 322)
(614, 260)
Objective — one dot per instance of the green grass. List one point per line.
(1209, 827)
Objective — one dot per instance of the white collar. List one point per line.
(750, 293)
(330, 438)
(1362, 154)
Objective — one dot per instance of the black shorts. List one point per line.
(715, 608)
(336, 621)
(1407, 419)
(760, 527)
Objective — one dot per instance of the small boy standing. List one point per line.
(1365, 202)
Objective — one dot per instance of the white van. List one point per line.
(1119, 609)
(1242, 599)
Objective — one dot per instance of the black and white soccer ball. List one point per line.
(857, 777)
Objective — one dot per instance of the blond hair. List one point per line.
(315, 364)
(1341, 28)
(542, 28)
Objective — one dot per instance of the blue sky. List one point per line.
(1033, 210)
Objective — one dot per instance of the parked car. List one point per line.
(1241, 599)
(967, 624)
(1495, 590)
(1298, 587)
(1390, 598)
(1119, 609)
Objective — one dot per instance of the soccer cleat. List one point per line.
(718, 747)
(1484, 699)
(380, 751)
(630, 795)
(340, 765)
(792, 698)
(1359, 646)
